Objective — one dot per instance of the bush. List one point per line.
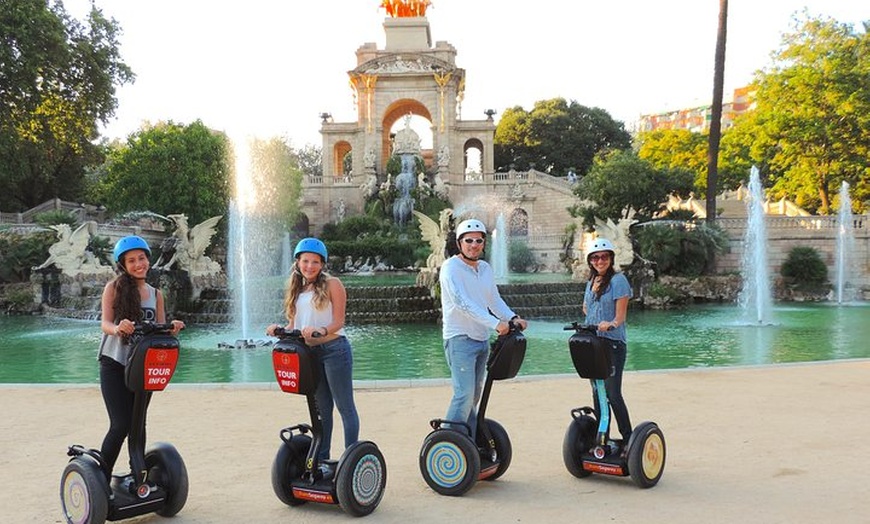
(804, 269)
(681, 249)
(520, 257)
(19, 253)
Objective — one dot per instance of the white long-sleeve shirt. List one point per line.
(468, 295)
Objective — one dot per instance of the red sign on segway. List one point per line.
(159, 368)
(286, 367)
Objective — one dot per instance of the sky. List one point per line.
(270, 67)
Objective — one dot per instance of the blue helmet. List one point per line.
(129, 243)
(311, 245)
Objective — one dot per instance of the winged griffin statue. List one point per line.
(189, 246)
(618, 233)
(70, 253)
(435, 233)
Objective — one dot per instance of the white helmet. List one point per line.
(598, 244)
(470, 226)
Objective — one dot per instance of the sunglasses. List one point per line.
(473, 240)
(596, 258)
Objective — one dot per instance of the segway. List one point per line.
(158, 482)
(356, 481)
(452, 459)
(587, 448)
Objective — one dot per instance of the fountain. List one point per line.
(755, 297)
(845, 269)
(499, 255)
(256, 238)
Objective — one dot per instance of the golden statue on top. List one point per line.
(405, 8)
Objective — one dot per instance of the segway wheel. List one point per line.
(84, 492)
(646, 455)
(449, 462)
(578, 440)
(361, 479)
(289, 465)
(502, 447)
(166, 468)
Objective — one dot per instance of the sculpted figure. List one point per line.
(70, 253)
(190, 246)
(618, 233)
(435, 233)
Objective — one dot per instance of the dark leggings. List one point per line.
(119, 405)
(613, 385)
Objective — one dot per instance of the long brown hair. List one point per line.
(296, 283)
(127, 303)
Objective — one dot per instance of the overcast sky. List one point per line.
(269, 67)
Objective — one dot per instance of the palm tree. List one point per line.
(716, 116)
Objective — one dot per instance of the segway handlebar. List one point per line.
(580, 326)
(149, 328)
(293, 333)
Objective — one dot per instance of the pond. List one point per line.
(37, 350)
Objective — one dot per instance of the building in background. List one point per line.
(698, 118)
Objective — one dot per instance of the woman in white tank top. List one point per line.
(314, 303)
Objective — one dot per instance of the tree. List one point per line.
(812, 116)
(556, 136)
(620, 182)
(168, 168)
(716, 114)
(277, 177)
(57, 82)
(676, 149)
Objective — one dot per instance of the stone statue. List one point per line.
(435, 233)
(369, 158)
(342, 209)
(618, 233)
(190, 246)
(370, 186)
(70, 253)
(444, 156)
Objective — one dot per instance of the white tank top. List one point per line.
(307, 315)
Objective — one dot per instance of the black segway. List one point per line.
(586, 448)
(451, 460)
(356, 481)
(158, 482)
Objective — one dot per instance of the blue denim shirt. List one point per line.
(604, 308)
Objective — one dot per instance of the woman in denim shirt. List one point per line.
(605, 304)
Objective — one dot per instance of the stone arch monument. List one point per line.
(411, 76)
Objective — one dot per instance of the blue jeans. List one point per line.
(336, 390)
(466, 358)
(613, 386)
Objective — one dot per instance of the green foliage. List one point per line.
(680, 249)
(620, 182)
(310, 160)
(665, 294)
(277, 179)
(810, 129)
(55, 217)
(19, 253)
(17, 298)
(394, 165)
(392, 251)
(520, 256)
(102, 248)
(556, 136)
(58, 78)
(169, 168)
(804, 269)
(677, 150)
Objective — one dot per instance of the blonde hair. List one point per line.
(296, 283)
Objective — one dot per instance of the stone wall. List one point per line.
(785, 233)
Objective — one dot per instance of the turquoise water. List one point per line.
(38, 350)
